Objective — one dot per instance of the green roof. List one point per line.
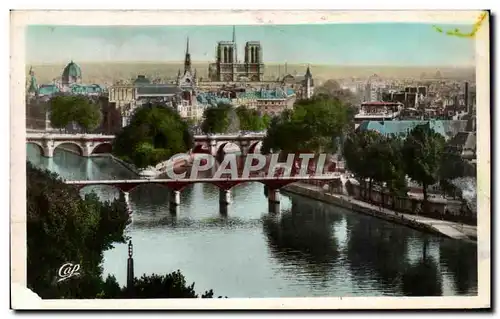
(72, 70)
(447, 128)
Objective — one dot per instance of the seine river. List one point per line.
(308, 249)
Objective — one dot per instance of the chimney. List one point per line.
(466, 98)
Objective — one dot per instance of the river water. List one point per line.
(308, 249)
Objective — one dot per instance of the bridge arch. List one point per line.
(223, 145)
(78, 149)
(102, 148)
(254, 146)
(200, 149)
(122, 187)
(39, 146)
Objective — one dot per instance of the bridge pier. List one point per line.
(175, 198)
(126, 196)
(48, 151)
(224, 197)
(273, 195)
(273, 200)
(244, 147)
(86, 150)
(213, 147)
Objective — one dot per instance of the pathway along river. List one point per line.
(309, 249)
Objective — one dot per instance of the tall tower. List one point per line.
(309, 83)
(466, 98)
(225, 61)
(33, 86)
(253, 61)
(235, 48)
(187, 59)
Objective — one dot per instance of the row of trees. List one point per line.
(64, 227)
(65, 110)
(386, 161)
(155, 134)
(314, 125)
(224, 118)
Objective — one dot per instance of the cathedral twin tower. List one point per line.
(227, 68)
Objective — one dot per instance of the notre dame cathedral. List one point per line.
(228, 68)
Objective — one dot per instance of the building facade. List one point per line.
(227, 67)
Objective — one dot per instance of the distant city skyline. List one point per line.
(377, 44)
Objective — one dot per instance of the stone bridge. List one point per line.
(89, 144)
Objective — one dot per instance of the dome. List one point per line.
(72, 70)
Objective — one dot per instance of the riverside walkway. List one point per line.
(447, 228)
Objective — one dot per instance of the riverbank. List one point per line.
(425, 224)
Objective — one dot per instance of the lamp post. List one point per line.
(130, 268)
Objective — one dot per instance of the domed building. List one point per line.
(72, 74)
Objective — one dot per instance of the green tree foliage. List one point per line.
(67, 109)
(155, 134)
(88, 116)
(252, 120)
(313, 125)
(422, 152)
(62, 227)
(216, 119)
(360, 153)
(173, 285)
(332, 89)
(453, 166)
(266, 120)
(60, 112)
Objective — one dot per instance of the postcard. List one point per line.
(250, 160)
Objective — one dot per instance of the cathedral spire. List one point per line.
(235, 49)
(308, 72)
(187, 58)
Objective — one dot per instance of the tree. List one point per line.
(87, 115)
(173, 285)
(154, 135)
(453, 166)
(60, 112)
(313, 125)
(67, 109)
(266, 120)
(332, 89)
(422, 152)
(360, 153)
(219, 119)
(62, 227)
(251, 120)
(387, 165)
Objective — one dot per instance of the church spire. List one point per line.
(308, 72)
(187, 59)
(235, 49)
(33, 85)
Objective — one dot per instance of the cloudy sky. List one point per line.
(404, 44)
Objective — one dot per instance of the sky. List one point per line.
(398, 44)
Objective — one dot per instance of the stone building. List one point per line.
(72, 74)
(227, 67)
(303, 85)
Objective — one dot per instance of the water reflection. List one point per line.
(306, 249)
(376, 252)
(422, 278)
(461, 261)
(303, 235)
